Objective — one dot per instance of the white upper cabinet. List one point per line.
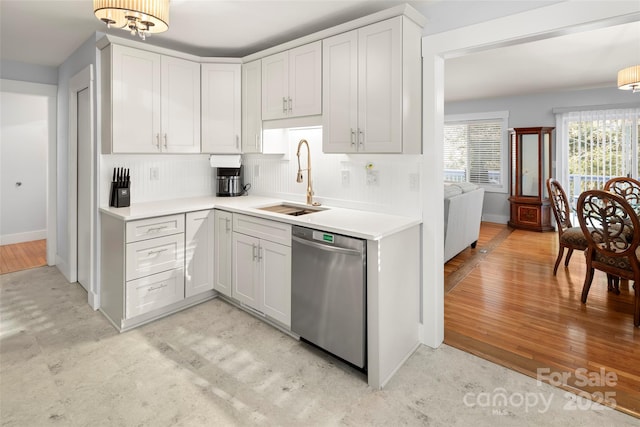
(371, 89)
(150, 102)
(221, 108)
(180, 105)
(252, 107)
(292, 83)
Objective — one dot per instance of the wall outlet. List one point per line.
(154, 174)
(414, 182)
(346, 178)
(372, 177)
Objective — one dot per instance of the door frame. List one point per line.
(82, 80)
(536, 24)
(51, 93)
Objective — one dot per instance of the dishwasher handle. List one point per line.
(328, 248)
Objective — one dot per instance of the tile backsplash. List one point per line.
(340, 180)
(160, 176)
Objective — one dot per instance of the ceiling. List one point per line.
(46, 32)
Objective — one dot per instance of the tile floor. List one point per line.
(62, 363)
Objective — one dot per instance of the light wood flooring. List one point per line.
(503, 303)
(21, 256)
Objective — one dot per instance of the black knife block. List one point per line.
(119, 197)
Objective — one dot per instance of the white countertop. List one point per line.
(356, 223)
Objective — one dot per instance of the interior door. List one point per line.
(84, 189)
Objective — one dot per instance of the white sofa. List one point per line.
(462, 216)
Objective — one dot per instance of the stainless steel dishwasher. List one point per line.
(328, 293)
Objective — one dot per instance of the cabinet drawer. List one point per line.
(153, 292)
(154, 227)
(154, 256)
(274, 231)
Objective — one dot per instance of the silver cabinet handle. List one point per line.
(259, 253)
(361, 137)
(290, 105)
(165, 141)
(227, 222)
(237, 141)
(158, 141)
(156, 229)
(157, 251)
(253, 250)
(155, 288)
(284, 104)
(353, 137)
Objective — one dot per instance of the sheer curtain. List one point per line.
(594, 145)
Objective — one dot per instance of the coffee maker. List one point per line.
(229, 182)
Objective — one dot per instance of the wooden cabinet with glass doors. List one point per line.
(530, 166)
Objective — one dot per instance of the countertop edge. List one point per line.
(172, 207)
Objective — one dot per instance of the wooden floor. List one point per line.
(506, 306)
(21, 256)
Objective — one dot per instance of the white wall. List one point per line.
(23, 157)
(276, 176)
(12, 70)
(530, 111)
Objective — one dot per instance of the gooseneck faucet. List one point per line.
(308, 169)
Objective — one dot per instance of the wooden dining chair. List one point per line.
(612, 229)
(628, 188)
(569, 237)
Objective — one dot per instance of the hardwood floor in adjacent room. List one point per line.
(503, 303)
(21, 256)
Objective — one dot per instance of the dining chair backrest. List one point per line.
(559, 205)
(628, 188)
(609, 224)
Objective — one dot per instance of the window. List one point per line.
(475, 150)
(599, 145)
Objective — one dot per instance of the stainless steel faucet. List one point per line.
(308, 169)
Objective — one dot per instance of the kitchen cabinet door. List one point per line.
(340, 93)
(275, 276)
(246, 285)
(275, 86)
(305, 80)
(199, 252)
(252, 107)
(221, 108)
(380, 87)
(222, 253)
(131, 109)
(180, 105)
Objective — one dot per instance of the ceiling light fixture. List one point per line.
(629, 78)
(142, 17)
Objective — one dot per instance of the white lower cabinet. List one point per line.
(222, 275)
(153, 292)
(143, 271)
(262, 267)
(199, 237)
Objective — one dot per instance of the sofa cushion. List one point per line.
(451, 190)
(466, 186)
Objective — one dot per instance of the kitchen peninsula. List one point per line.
(144, 248)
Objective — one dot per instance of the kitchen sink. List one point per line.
(291, 209)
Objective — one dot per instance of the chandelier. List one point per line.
(142, 17)
(629, 78)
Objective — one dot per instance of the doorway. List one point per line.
(81, 203)
(28, 215)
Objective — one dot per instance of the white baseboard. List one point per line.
(10, 239)
(498, 219)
